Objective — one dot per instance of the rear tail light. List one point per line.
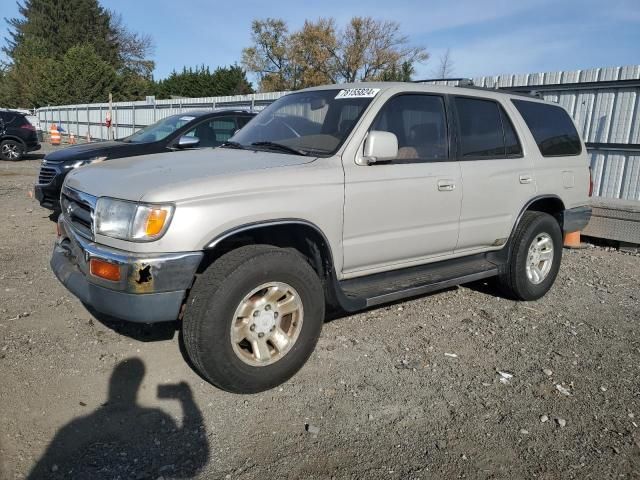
(590, 183)
(28, 126)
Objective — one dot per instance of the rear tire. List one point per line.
(11, 150)
(534, 259)
(233, 331)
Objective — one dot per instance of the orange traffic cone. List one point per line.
(54, 134)
(572, 240)
(72, 139)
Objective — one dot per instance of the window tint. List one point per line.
(419, 122)
(511, 142)
(242, 121)
(551, 127)
(481, 133)
(214, 132)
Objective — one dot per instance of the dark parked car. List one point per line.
(199, 129)
(17, 135)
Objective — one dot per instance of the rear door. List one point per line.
(497, 178)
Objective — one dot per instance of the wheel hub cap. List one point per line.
(267, 324)
(539, 258)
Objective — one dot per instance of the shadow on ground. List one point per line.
(122, 439)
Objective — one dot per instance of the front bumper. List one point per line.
(152, 287)
(575, 219)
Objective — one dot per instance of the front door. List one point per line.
(405, 211)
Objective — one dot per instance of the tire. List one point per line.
(522, 283)
(216, 305)
(11, 150)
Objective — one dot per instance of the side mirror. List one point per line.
(379, 147)
(188, 142)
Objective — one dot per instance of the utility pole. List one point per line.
(109, 118)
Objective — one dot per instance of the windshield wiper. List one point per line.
(279, 146)
(231, 144)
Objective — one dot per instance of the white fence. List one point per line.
(603, 101)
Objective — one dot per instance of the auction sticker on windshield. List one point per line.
(358, 93)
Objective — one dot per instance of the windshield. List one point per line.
(159, 130)
(307, 123)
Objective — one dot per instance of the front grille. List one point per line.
(78, 207)
(46, 176)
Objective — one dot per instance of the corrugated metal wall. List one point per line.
(131, 116)
(603, 102)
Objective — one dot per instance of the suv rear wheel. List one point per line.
(11, 150)
(253, 318)
(535, 257)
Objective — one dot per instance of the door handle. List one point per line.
(524, 179)
(446, 185)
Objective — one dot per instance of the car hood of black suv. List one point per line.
(87, 151)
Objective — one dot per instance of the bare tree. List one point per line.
(320, 52)
(445, 67)
(134, 49)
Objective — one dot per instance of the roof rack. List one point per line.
(462, 82)
(468, 83)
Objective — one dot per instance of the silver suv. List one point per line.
(345, 195)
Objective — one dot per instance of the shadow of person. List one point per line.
(122, 439)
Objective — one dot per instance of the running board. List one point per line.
(413, 281)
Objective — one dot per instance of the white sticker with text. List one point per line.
(358, 93)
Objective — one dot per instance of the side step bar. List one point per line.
(379, 288)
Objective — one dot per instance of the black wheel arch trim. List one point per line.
(17, 139)
(334, 292)
(502, 255)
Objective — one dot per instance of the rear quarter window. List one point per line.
(551, 128)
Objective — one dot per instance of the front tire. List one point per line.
(253, 318)
(11, 150)
(535, 257)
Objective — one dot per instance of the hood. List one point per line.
(174, 175)
(85, 151)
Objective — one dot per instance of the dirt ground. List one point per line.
(410, 390)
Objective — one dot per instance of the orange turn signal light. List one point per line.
(106, 270)
(155, 222)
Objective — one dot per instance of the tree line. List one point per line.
(78, 52)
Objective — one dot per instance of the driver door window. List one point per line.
(213, 132)
(419, 123)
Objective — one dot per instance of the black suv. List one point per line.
(17, 135)
(198, 129)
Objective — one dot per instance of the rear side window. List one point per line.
(551, 127)
(485, 130)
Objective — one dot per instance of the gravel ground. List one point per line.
(409, 390)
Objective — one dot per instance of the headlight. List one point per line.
(137, 222)
(81, 163)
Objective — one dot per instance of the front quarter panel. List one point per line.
(312, 192)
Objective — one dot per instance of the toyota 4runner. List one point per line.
(348, 196)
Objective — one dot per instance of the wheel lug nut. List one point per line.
(252, 327)
(267, 307)
(275, 314)
(256, 313)
(260, 335)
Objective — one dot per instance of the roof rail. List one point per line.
(468, 83)
(462, 82)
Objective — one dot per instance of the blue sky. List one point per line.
(485, 37)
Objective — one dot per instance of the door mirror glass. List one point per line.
(379, 147)
(188, 142)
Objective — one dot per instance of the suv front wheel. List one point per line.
(253, 318)
(11, 150)
(535, 257)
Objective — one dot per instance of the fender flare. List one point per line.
(334, 293)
